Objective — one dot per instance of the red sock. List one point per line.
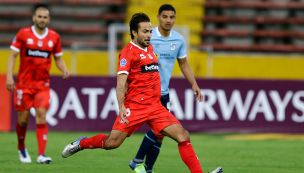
(97, 141)
(41, 134)
(21, 131)
(188, 156)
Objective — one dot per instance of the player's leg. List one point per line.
(22, 103)
(118, 134)
(181, 136)
(153, 150)
(114, 140)
(151, 145)
(42, 135)
(21, 128)
(42, 104)
(164, 122)
(149, 148)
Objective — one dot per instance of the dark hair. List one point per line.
(166, 7)
(135, 20)
(39, 6)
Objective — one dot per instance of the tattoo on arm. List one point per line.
(120, 90)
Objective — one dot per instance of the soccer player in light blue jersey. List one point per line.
(169, 46)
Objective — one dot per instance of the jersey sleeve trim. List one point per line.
(181, 57)
(58, 54)
(14, 48)
(122, 72)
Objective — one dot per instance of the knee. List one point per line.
(185, 135)
(40, 118)
(22, 123)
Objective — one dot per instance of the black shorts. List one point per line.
(165, 101)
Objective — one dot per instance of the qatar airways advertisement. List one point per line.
(229, 106)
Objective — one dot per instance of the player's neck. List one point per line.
(39, 31)
(135, 42)
(163, 32)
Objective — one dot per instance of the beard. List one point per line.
(142, 42)
(41, 26)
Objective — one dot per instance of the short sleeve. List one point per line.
(17, 42)
(182, 51)
(125, 61)
(57, 49)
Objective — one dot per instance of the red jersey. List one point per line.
(35, 56)
(141, 66)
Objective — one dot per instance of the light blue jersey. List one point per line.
(167, 50)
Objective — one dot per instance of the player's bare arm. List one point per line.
(120, 92)
(126, 88)
(10, 83)
(62, 67)
(185, 68)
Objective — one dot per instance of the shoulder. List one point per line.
(177, 35)
(150, 48)
(23, 33)
(52, 32)
(25, 30)
(154, 33)
(127, 50)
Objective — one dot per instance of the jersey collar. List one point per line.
(138, 46)
(40, 36)
(159, 34)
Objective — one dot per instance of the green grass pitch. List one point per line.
(213, 150)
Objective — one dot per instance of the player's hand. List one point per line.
(10, 85)
(198, 93)
(123, 114)
(66, 74)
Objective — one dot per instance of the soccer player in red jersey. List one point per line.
(138, 67)
(36, 45)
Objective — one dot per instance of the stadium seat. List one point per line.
(74, 20)
(96, 2)
(21, 1)
(254, 4)
(255, 25)
(256, 47)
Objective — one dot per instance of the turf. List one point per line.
(235, 156)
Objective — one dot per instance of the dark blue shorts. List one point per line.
(165, 101)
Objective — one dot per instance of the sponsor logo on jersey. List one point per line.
(150, 56)
(30, 41)
(142, 56)
(40, 43)
(149, 68)
(38, 53)
(123, 62)
(50, 43)
(172, 46)
(156, 54)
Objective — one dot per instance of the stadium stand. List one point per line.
(254, 25)
(189, 14)
(74, 20)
